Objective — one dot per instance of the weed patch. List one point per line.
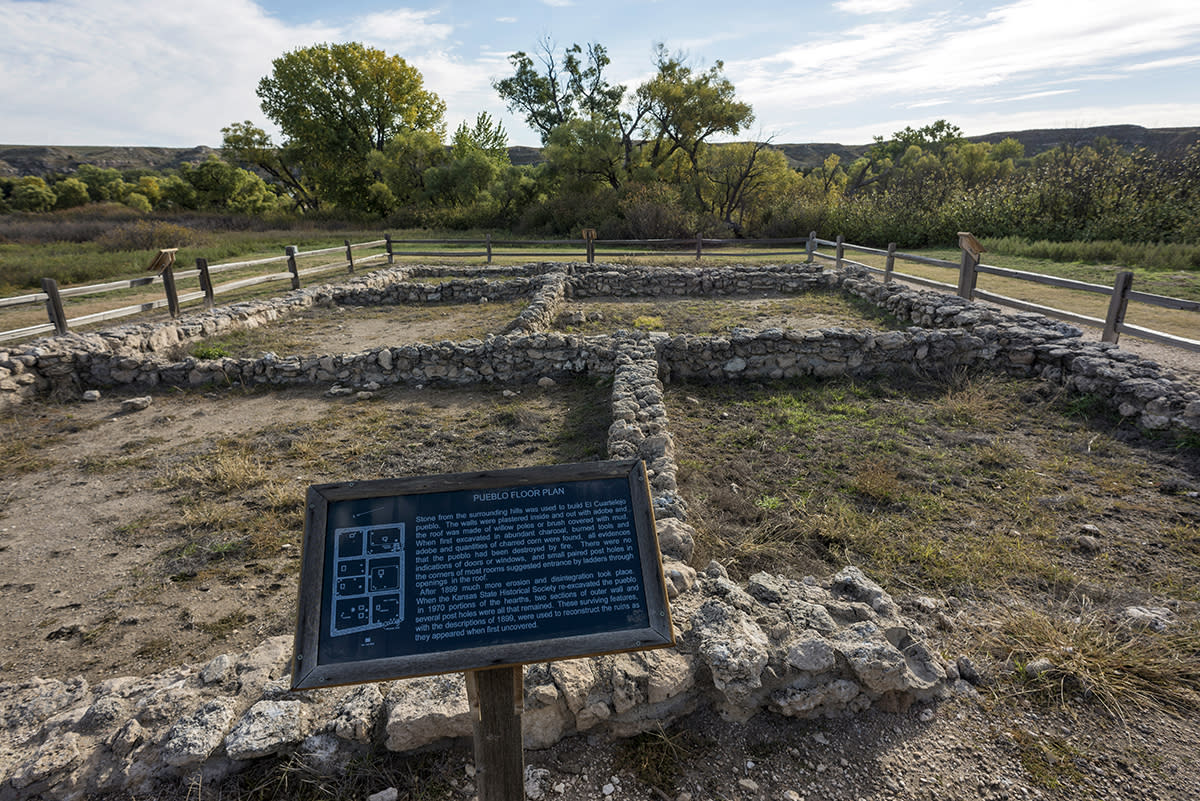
(1123, 668)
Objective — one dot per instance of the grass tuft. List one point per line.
(1123, 669)
(657, 758)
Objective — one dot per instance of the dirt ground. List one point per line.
(134, 542)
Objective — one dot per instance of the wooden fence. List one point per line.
(968, 269)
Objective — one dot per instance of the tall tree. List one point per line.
(575, 88)
(337, 103)
(560, 91)
(685, 108)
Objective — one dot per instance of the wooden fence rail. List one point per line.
(968, 269)
(1113, 324)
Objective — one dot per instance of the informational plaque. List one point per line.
(414, 576)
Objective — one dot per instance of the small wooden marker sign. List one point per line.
(482, 573)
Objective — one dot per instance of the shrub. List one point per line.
(138, 202)
(147, 235)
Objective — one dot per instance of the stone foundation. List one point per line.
(806, 648)
(947, 333)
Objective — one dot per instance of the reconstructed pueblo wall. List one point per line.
(826, 647)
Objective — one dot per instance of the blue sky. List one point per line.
(173, 72)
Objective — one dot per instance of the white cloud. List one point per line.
(400, 29)
(162, 72)
(956, 56)
(506, 20)
(1027, 96)
(939, 101)
(173, 72)
(558, 3)
(1162, 63)
(872, 6)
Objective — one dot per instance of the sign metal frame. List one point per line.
(311, 671)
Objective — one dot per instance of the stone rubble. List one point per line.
(808, 648)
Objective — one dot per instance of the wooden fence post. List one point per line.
(349, 256)
(811, 247)
(489, 248)
(388, 242)
(967, 276)
(589, 244)
(168, 278)
(840, 252)
(291, 251)
(206, 283)
(54, 307)
(1116, 307)
(890, 264)
(497, 698)
(699, 247)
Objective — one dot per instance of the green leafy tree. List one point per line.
(336, 104)
(247, 145)
(402, 167)
(598, 135)
(178, 193)
(32, 193)
(478, 154)
(70, 193)
(574, 88)
(138, 202)
(220, 185)
(583, 152)
(875, 168)
(103, 183)
(561, 91)
(739, 182)
(685, 108)
(486, 136)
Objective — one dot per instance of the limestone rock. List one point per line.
(268, 727)
(735, 650)
(190, 741)
(424, 710)
(575, 679)
(49, 763)
(357, 715)
(676, 539)
(138, 404)
(679, 577)
(811, 653)
(852, 583)
(218, 670)
(1154, 618)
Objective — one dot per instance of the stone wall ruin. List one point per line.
(815, 647)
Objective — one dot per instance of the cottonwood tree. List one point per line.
(595, 130)
(685, 108)
(335, 105)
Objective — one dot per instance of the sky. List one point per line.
(172, 73)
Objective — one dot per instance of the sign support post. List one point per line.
(497, 698)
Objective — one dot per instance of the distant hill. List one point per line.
(1166, 142)
(18, 160)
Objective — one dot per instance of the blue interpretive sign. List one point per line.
(436, 574)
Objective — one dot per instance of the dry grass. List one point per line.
(1123, 668)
